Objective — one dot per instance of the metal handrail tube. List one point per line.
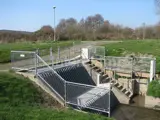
(50, 68)
(50, 87)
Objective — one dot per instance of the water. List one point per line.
(135, 111)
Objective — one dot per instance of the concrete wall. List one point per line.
(141, 86)
(93, 74)
(125, 83)
(122, 98)
(138, 86)
(152, 102)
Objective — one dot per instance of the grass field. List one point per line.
(22, 100)
(150, 47)
(137, 47)
(5, 49)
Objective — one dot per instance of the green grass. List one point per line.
(154, 89)
(21, 100)
(137, 47)
(150, 47)
(6, 48)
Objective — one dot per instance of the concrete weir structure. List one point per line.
(82, 81)
(79, 88)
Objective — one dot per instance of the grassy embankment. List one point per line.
(20, 99)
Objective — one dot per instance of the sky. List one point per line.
(31, 15)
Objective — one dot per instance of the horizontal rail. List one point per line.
(79, 84)
(129, 57)
(23, 51)
(50, 68)
(91, 108)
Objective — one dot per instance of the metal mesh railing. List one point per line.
(97, 52)
(81, 95)
(142, 64)
(86, 96)
(118, 63)
(50, 77)
(23, 60)
(128, 64)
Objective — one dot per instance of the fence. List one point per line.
(128, 64)
(26, 60)
(23, 60)
(80, 95)
(86, 96)
(97, 52)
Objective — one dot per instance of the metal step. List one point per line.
(130, 95)
(102, 72)
(94, 67)
(120, 87)
(98, 70)
(126, 92)
(116, 84)
(106, 80)
(124, 89)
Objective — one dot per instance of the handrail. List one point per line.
(22, 51)
(80, 84)
(50, 87)
(50, 68)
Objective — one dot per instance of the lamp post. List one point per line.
(54, 8)
(144, 30)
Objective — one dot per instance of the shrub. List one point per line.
(154, 89)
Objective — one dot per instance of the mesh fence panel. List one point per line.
(51, 78)
(23, 60)
(128, 64)
(85, 96)
(123, 64)
(142, 64)
(45, 55)
(97, 52)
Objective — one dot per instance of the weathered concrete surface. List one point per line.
(151, 102)
(93, 74)
(141, 86)
(42, 85)
(122, 98)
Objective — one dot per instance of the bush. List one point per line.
(154, 89)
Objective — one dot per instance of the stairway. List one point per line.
(123, 89)
(106, 79)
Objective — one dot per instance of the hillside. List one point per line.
(20, 99)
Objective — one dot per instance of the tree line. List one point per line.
(91, 28)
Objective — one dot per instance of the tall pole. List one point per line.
(144, 27)
(54, 23)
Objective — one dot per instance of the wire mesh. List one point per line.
(86, 96)
(23, 60)
(141, 64)
(97, 52)
(51, 78)
(128, 64)
(122, 64)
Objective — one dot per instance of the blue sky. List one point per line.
(30, 15)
